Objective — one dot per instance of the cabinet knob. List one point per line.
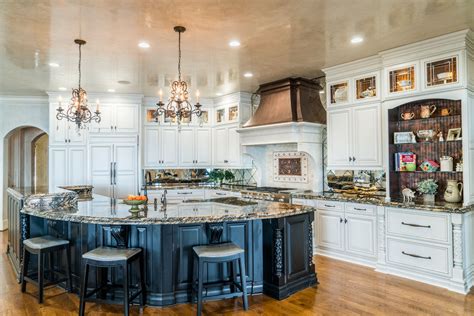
(226, 161)
(345, 220)
(340, 219)
(111, 127)
(350, 158)
(115, 127)
(353, 158)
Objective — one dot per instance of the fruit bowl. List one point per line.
(134, 203)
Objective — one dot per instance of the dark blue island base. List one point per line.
(278, 253)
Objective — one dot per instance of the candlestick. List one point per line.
(97, 105)
(197, 96)
(161, 95)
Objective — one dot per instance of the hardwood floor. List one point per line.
(345, 289)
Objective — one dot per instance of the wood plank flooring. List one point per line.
(345, 289)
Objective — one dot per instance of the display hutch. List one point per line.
(407, 118)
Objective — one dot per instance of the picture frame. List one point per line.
(404, 138)
(454, 134)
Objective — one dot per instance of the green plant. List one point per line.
(216, 175)
(228, 175)
(428, 186)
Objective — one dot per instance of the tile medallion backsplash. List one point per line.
(290, 166)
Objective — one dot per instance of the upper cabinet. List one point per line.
(64, 132)
(117, 119)
(402, 79)
(441, 72)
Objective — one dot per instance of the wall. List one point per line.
(41, 146)
(16, 112)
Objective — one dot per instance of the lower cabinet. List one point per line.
(347, 230)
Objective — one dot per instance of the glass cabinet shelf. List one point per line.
(443, 71)
(402, 79)
(339, 92)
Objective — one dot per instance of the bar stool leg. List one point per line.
(199, 290)
(125, 289)
(24, 268)
(243, 281)
(85, 277)
(233, 275)
(68, 269)
(194, 279)
(142, 282)
(40, 276)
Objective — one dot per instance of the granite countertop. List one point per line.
(104, 210)
(418, 204)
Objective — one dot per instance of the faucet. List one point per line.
(163, 199)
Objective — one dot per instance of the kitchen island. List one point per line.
(277, 238)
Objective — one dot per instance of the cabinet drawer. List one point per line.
(304, 202)
(361, 209)
(221, 193)
(427, 257)
(185, 193)
(330, 205)
(430, 227)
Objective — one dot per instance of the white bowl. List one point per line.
(444, 75)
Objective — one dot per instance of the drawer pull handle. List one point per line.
(360, 209)
(185, 192)
(218, 193)
(416, 225)
(415, 256)
(329, 205)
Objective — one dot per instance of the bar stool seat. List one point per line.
(219, 250)
(41, 246)
(109, 257)
(111, 254)
(228, 253)
(44, 242)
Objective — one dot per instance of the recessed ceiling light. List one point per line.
(54, 65)
(357, 39)
(218, 94)
(144, 45)
(234, 43)
(62, 89)
(248, 75)
(111, 90)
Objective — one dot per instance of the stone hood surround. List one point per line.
(290, 112)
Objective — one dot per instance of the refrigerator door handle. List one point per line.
(111, 174)
(115, 173)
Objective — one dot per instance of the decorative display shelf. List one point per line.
(430, 120)
(432, 172)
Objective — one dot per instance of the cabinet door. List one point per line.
(203, 147)
(360, 235)
(75, 136)
(126, 118)
(233, 143)
(100, 171)
(106, 124)
(220, 145)
(187, 146)
(169, 146)
(57, 167)
(151, 147)
(77, 166)
(125, 170)
(58, 133)
(339, 138)
(367, 136)
(330, 230)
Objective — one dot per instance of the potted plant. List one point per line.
(217, 175)
(428, 188)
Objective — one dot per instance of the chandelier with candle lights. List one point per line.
(78, 110)
(178, 105)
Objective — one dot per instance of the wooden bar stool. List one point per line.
(41, 246)
(219, 253)
(108, 257)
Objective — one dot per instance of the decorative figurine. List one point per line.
(440, 136)
(408, 195)
(459, 166)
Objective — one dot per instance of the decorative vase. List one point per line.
(453, 193)
(429, 198)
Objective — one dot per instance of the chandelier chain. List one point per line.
(79, 65)
(179, 56)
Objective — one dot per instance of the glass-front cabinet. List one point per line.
(366, 87)
(402, 79)
(339, 93)
(441, 71)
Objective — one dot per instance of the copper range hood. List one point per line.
(288, 100)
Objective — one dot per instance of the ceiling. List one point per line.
(279, 38)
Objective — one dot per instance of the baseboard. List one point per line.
(347, 258)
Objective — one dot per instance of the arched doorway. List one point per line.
(26, 157)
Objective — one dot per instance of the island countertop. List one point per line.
(104, 210)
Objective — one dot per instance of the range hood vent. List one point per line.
(288, 100)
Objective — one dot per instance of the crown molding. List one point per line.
(17, 99)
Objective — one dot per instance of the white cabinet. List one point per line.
(117, 119)
(64, 132)
(67, 166)
(195, 147)
(227, 151)
(113, 168)
(347, 231)
(160, 147)
(330, 229)
(354, 137)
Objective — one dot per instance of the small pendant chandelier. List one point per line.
(178, 105)
(78, 110)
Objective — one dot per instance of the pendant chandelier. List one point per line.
(78, 110)
(178, 105)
